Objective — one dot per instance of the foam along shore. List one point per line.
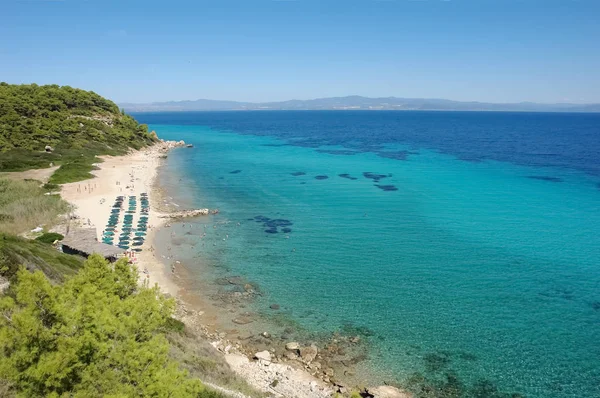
(134, 174)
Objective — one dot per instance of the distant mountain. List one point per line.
(356, 102)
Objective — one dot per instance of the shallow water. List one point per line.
(455, 243)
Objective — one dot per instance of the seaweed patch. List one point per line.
(235, 172)
(546, 178)
(298, 173)
(374, 176)
(387, 187)
(348, 176)
(322, 177)
(272, 225)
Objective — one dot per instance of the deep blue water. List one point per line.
(459, 243)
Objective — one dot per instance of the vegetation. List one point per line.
(49, 237)
(77, 124)
(16, 252)
(24, 205)
(98, 334)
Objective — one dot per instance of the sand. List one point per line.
(131, 174)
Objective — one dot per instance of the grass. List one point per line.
(16, 251)
(24, 205)
(75, 164)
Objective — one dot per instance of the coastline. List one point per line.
(137, 172)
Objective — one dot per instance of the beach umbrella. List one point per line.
(136, 250)
(139, 238)
(137, 243)
(140, 234)
(124, 247)
(109, 233)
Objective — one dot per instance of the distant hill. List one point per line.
(356, 102)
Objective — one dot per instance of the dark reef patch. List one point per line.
(558, 292)
(235, 172)
(374, 176)
(595, 305)
(546, 178)
(272, 224)
(221, 178)
(387, 187)
(434, 362)
(398, 155)
(321, 177)
(348, 176)
(298, 173)
(337, 151)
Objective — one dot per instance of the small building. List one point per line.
(83, 242)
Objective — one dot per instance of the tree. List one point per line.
(98, 334)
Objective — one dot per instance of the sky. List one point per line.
(272, 50)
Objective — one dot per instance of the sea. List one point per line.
(463, 248)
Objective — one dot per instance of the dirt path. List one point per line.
(42, 175)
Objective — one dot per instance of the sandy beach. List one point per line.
(131, 174)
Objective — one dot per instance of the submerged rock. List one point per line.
(321, 177)
(274, 306)
(347, 176)
(235, 172)
(298, 173)
(308, 354)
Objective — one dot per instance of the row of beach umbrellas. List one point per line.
(130, 238)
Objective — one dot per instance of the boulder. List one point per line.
(274, 306)
(292, 346)
(48, 148)
(388, 392)
(263, 355)
(308, 354)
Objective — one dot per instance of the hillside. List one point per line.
(77, 124)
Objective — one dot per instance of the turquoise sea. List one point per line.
(463, 247)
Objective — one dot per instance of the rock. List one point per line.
(274, 306)
(266, 335)
(291, 355)
(388, 392)
(329, 372)
(308, 354)
(48, 148)
(242, 320)
(292, 346)
(263, 355)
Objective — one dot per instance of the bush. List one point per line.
(98, 334)
(50, 237)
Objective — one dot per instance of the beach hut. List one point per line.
(83, 242)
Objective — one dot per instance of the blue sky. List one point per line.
(268, 50)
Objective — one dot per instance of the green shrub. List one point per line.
(98, 334)
(49, 237)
